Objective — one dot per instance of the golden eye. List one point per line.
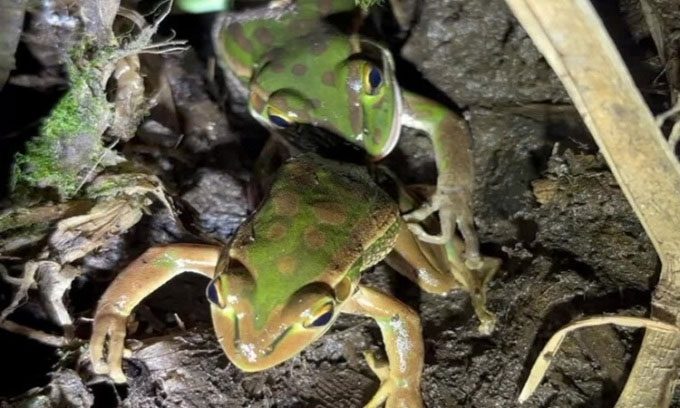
(373, 78)
(278, 118)
(321, 317)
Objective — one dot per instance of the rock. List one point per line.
(478, 54)
(219, 202)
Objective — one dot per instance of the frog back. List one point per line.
(321, 221)
(245, 45)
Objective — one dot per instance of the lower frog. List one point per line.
(291, 269)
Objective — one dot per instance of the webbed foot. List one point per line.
(476, 283)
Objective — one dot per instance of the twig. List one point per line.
(23, 284)
(9, 279)
(674, 136)
(545, 357)
(37, 335)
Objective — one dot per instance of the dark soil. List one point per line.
(545, 203)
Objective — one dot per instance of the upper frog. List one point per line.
(301, 70)
(290, 268)
(298, 69)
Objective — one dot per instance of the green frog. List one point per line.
(298, 70)
(291, 269)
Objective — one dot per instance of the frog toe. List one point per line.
(420, 214)
(487, 326)
(424, 236)
(117, 375)
(378, 365)
(394, 394)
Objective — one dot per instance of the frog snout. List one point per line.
(249, 356)
(256, 350)
(258, 356)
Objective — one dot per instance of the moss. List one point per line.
(68, 150)
(110, 186)
(13, 219)
(69, 142)
(114, 184)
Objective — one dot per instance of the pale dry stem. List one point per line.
(23, 284)
(34, 334)
(544, 359)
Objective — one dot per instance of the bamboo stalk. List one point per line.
(575, 43)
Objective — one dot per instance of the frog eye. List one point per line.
(373, 78)
(278, 118)
(321, 317)
(214, 293)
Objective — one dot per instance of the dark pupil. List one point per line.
(213, 297)
(323, 319)
(375, 77)
(278, 121)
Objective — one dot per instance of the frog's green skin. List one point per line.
(288, 273)
(300, 70)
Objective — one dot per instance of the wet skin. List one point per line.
(291, 269)
(297, 69)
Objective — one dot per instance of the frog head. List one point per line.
(288, 270)
(254, 335)
(345, 85)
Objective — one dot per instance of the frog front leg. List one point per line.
(401, 331)
(138, 280)
(453, 154)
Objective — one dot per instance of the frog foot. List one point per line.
(109, 326)
(487, 320)
(394, 392)
(451, 203)
(477, 286)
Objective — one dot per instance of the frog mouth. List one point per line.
(251, 356)
(267, 350)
